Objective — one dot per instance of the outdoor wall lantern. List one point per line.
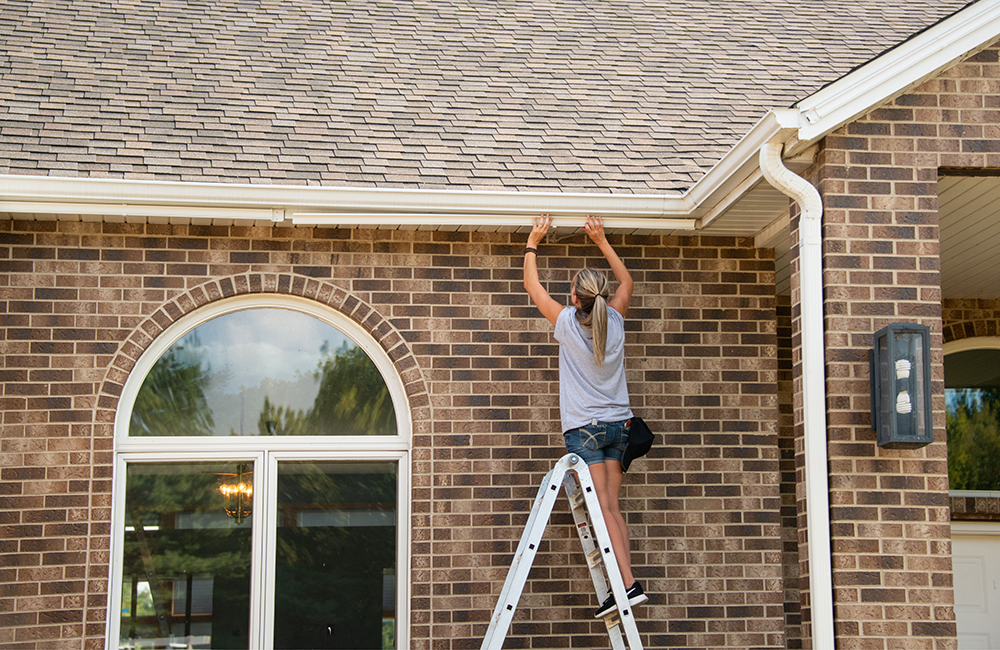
(901, 386)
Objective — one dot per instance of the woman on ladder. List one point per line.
(593, 396)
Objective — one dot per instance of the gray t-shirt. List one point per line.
(588, 391)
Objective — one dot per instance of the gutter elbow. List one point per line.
(795, 187)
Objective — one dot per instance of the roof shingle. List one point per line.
(607, 95)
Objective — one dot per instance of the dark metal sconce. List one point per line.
(901, 386)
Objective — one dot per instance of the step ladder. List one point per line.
(599, 554)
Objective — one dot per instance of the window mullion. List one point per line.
(263, 608)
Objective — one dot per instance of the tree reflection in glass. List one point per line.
(186, 564)
(335, 561)
(269, 372)
(172, 399)
(972, 399)
(973, 425)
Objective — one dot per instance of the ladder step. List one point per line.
(613, 619)
(595, 559)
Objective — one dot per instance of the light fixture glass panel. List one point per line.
(886, 399)
(909, 398)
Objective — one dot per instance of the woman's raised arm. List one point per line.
(623, 294)
(545, 303)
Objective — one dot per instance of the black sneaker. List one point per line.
(606, 607)
(635, 594)
(635, 597)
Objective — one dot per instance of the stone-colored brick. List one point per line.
(479, 365)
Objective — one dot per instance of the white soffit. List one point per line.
(969, 208)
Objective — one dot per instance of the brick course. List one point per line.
(83, 300)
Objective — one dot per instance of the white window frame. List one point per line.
(965, 345)
(265, 452)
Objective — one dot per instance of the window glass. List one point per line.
(972, 396)
(335, 557)
(263, 372)
(187, 556)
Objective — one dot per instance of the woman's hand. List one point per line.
(595, 228)
(540, 226)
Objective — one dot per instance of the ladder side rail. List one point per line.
(591, 552)
(608, 554)
(574, 492)
(527, 548)
(522, 543)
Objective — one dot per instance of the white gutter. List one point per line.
(813, 387)
(463, 220)
(330, 205)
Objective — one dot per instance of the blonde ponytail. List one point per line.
(591, 288)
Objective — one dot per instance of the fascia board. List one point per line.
(904, 66)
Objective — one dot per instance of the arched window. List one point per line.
(972, 389)
(261, 485)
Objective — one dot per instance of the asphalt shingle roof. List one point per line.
(603, 95)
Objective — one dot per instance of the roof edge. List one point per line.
(739, 168)
(75, 197)
(923, 56)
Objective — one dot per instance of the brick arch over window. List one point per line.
(322, 292)
(969, 318)
(971, 329)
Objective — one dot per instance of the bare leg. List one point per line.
(608, 478)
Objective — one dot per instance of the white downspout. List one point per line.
(813, 387)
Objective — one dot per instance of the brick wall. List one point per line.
(889, 508)
(789, 483)
(82, 300)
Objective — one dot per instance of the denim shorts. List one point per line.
(598, 441)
